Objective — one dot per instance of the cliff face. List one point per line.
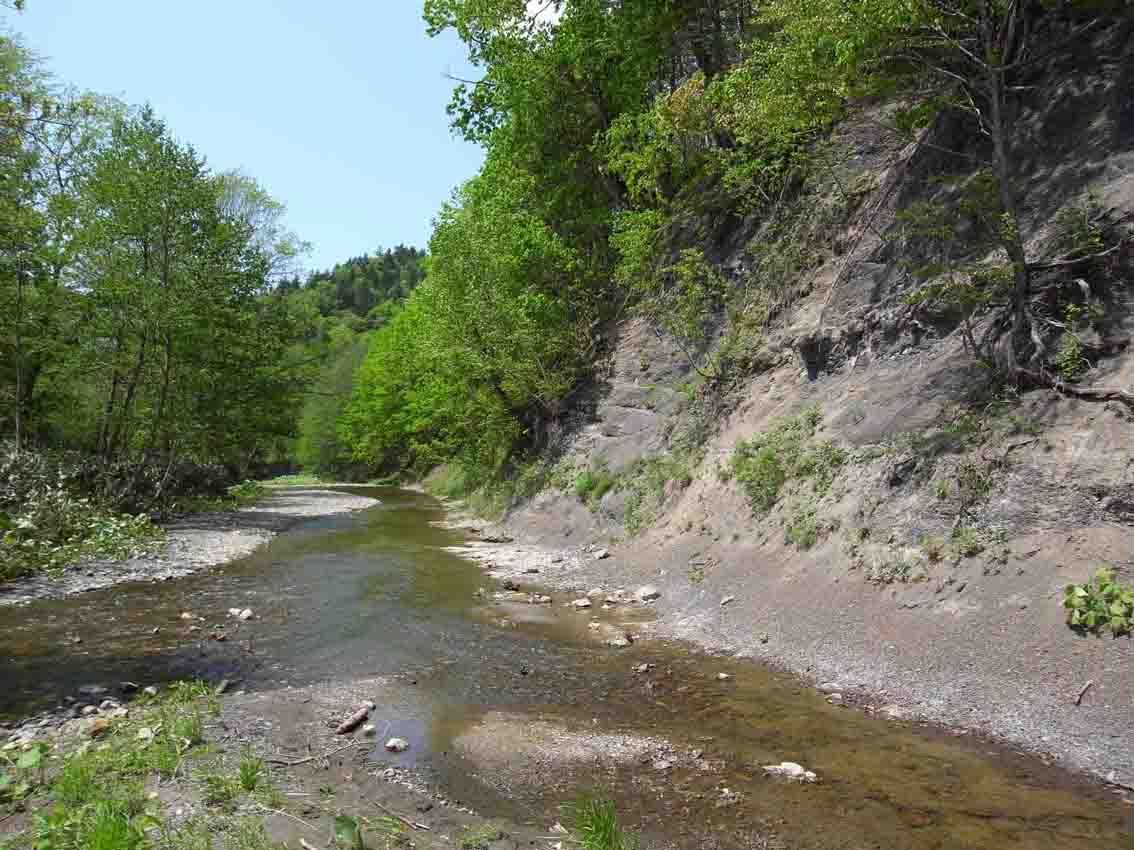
(924, 561)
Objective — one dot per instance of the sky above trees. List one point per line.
(339, 112)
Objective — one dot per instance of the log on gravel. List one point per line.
(355, 720)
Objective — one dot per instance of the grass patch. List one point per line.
(479, 837)
(592, 484)
(298, 479)
(647, 482)
(596, 822)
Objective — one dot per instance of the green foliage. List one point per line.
(1100, 605)
(348, 834)
(479, 837)
(788, 451)
(93, 796)
(803, 528)
(593, 484)
(251, 770)
(647, 483)
(596, 822)
(485, 349)
(46, 522)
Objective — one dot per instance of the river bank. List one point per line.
(912, 654)
(193, 543)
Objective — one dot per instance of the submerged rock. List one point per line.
(397, 745)
(790, 770)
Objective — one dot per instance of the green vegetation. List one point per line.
(596, 822)
(92, 794)
(593, 484)
(1100, 605)
(647, 482)
(479, 837)
(788, 452)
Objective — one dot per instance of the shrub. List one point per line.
(788, 451)
(593, 484)
(1100, 605)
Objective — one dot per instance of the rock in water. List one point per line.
(647, 593)
(790, 770)
(397, 745)
(581, 604)
(246, 614)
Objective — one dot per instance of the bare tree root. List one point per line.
(1042, 378)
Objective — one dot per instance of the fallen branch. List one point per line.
(1083, 692)
(355, 720)
(411, 824)
(307, 846)
(297, 762)
(282, 813)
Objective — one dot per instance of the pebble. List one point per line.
(648, 593)
(246, 614)
(369, 730)
(150, 691)
(643, 668)
(89, 710)
(618, 643)
(601, 555)
(596, 593)
(830, 687)
(723, 677)
(581, 604)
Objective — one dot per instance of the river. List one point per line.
(378, 594)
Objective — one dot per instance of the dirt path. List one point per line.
(195, 542)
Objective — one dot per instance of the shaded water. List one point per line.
(375, 594)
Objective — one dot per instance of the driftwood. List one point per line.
(411, 824)
(1083, 692)
(355, 720)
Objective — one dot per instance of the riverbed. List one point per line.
(515, 709)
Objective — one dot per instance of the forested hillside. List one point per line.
(628, 143)
(345, 305)
(157, 345)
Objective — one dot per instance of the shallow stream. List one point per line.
(489, 695)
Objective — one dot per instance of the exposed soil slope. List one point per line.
(932, 571)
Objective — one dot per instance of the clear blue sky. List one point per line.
(337, 108)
